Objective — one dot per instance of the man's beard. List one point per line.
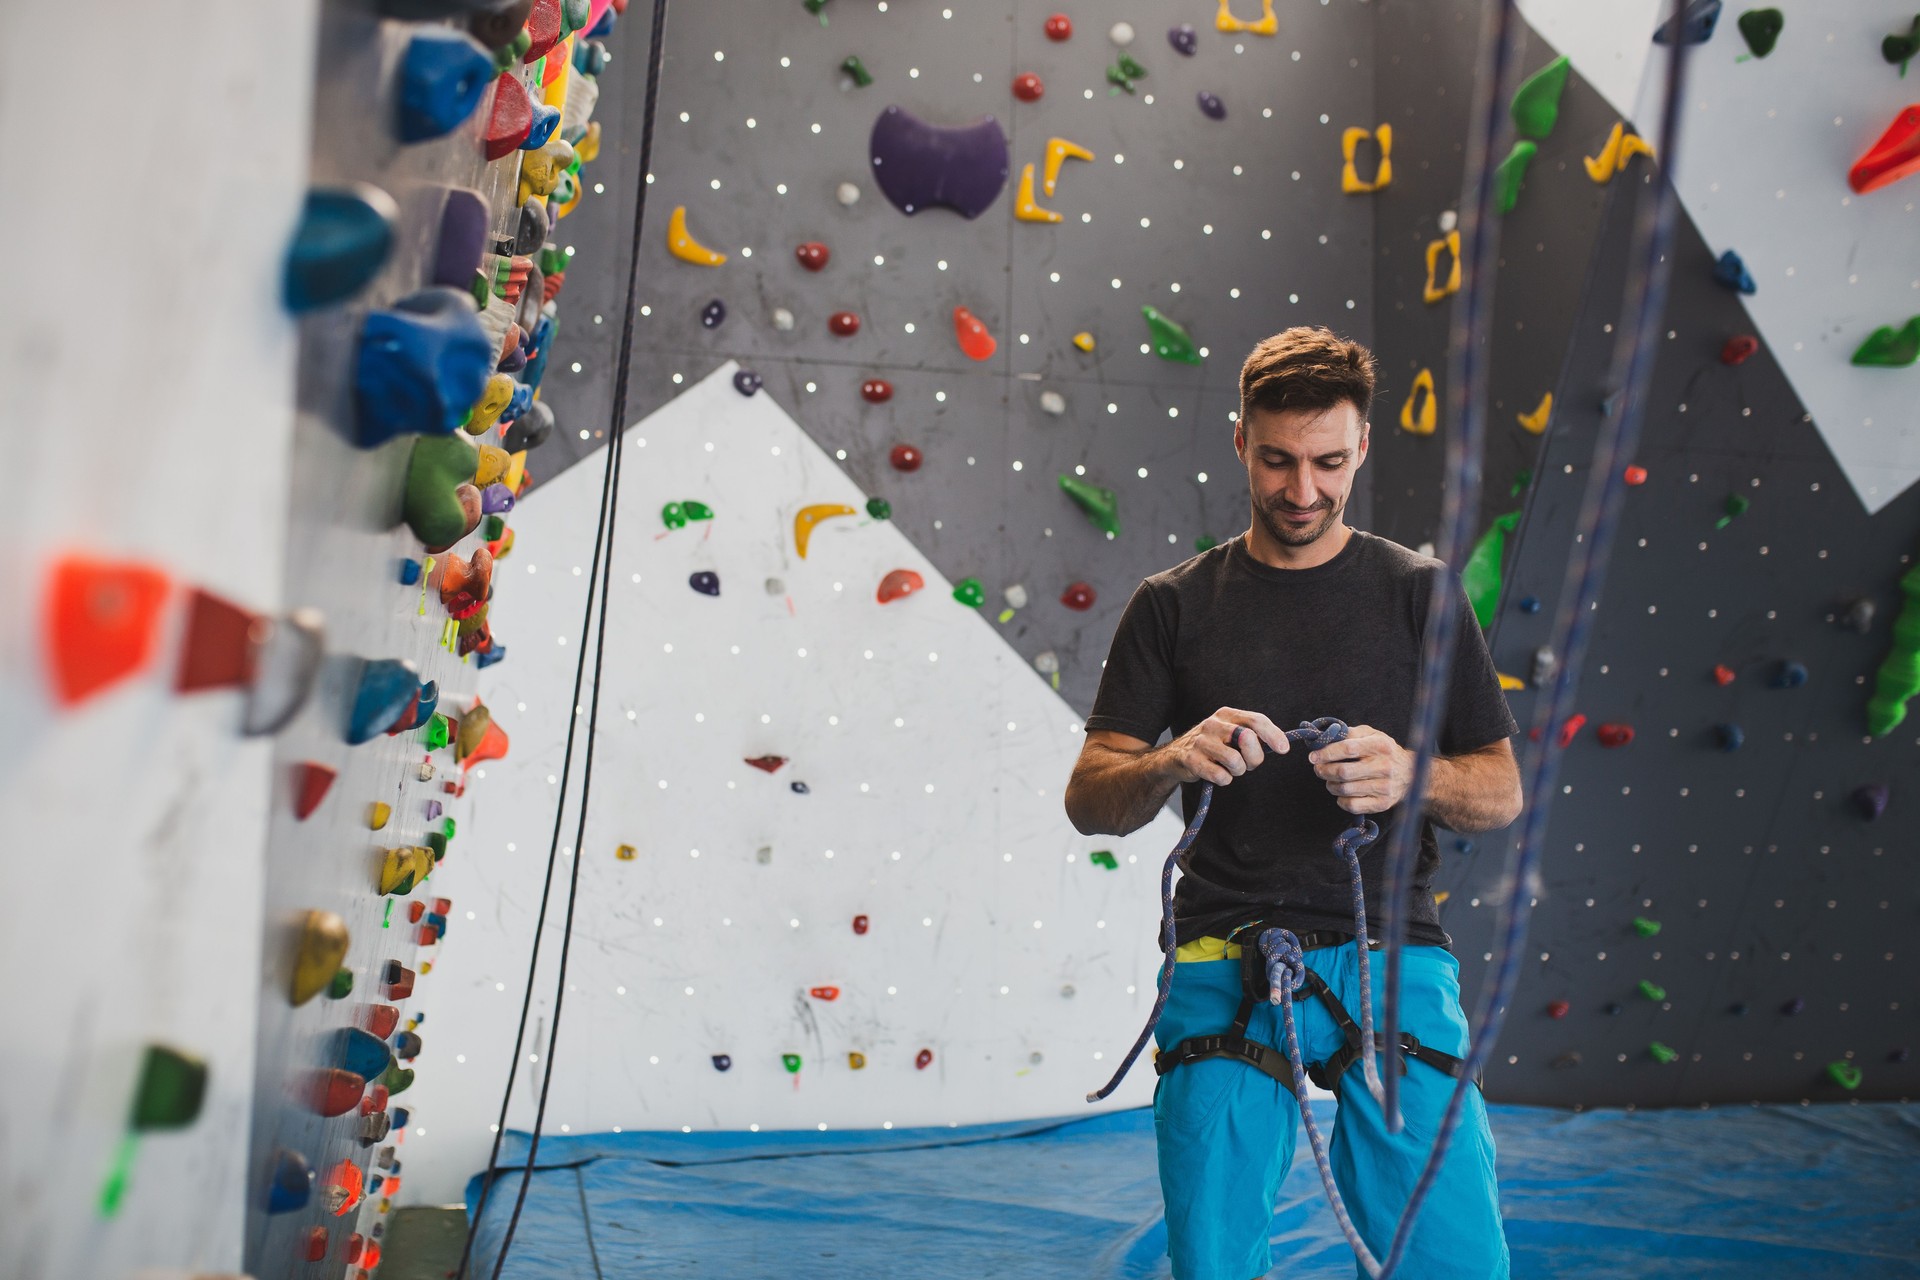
(1292, 535)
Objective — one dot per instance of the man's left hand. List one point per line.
(1365, 772)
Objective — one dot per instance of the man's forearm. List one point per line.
(1119, 793)
(1474, 792)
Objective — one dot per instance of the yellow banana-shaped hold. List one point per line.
(1536, 421)
(1426, 417)
(1059, 151)
(1621, 147)
(1024, 207)
(685, 247)
(810, 516)
(1511, 683)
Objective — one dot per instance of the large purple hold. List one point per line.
(918, 165)
(1184, 39)
(1211, 106)
(1870, 800)
(463, 238)
(496, 499)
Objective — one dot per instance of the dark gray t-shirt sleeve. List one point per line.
(1477, 712)
(1137, 689)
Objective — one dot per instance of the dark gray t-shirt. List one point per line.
(1340, 639)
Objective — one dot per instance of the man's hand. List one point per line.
(1365, 772)
(1204, 753)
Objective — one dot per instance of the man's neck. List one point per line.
(1279, 555)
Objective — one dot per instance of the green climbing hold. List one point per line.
(493, 528)
(1511, 173)
(857, 70)
(1899, 676)
(1891, 348)
(1734, 507)
(553, 260)
(436, 733)
(1536, 103)
(1844, 1074)
(1100, 504)
(1481, 578)
(1205, 543)
(1123, 73)
(879, 508)
(697, 510)
(172, 1087)
(447, 827)
(791, 1061)
(1661, 1053)
(1103, 858)
(1170, 341)
(1652, 991)
(1521, 479)
(1761, 29)
(970, 593)
(440, 495)
(397, 1078)
(438, 843)
(674, 516)
(1644, 927)
(1901, 46)
(341, 984)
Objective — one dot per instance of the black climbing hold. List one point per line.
(722, 1061)
(746, 382)
(705, 581)
(1790, 675)
(1870, 800)
(1696, 23)
(1793, 1006)
(799, 788)
(1614, 1010)
(713, 314)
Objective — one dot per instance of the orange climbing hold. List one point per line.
(899, 583)
(465, 584)
(100, 623)
(1634, 475)
(1895, 156)
(972, 334)
(824, 993)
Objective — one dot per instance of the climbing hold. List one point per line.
(1184, 39)
(1730, 736)
(396, 980)
(330, 1091)
(1890, 348)
(170, 1090)
(876, 391)
(1083, 341)
(1652, 991)
(1695, 23)
(1737, 349)
(1558, 1009)
(626, 853)
(387, 687)
(860, 924)
(531, 231)
(1734, 507)
(1265, 25)
(311, 781)
(1900, 47)
(767, 764)
(379, 812)
(971, 333)
(401, 869)
(493, 402)
(683, 246)
(1104, 858)
(1545, 664)
(1870, 800)
(1789, 675)
(1028, 87)
(1730, 271)
(1859, 615)
(897, 584)
(1898, 678)
(466, 583)
(791, 1061)
(722, 1061)
(531, 429)
(782, 319)
(1053, 403)
(1512, 172)
(1025, 207)
(1536, 421)
(289, 1182)
(1660, 1052)
(1571, 729)
(1170, 341)
(1844, 1074)
(1421, 412)
(1058, 27)
(1435, 289)
(812, 254)
(343, 240)
(1078, 596)
(824, 993)
(923, 1059)
(218, 647)
(1059, 151)
(1101, 506)
(340, 986)
(1530, 604)
(1350, 180)
(1614, 735)
(843, 324)
(1121, 33)
(1794, 1006)
(904, 457)
(1536, 103)
(798, 788)
(808, 517)
(856, 70)
(713, 314)
(918, 165)
(706, 582)
(1761, 29)
(421, 365)
(1613, 1009)
(1620, 147)
(410, 571)
(1634, 475)
(1211, 106)
(1646, 928)
(443, 76)
(969, 592)
(879, 509)
(360, 1052)
(441, 505)
(100, 623)
(511, 117)
(1894, 156)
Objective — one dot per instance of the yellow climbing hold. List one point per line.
(626, 853)
(1621, 147)
(378, 813)
(1024, 207)
(1423, 420)
(492, 402)
(1536, 421)
(685, 247)
(1350, 181)
(813, 515)
(516, 471)
(493, 465)
(1511, 683)
(401, 869)
(1450, 244)
(1265, 25)
(587, 150)
(1059, 151)
(857, 1061)
(1083, 340)
(1441, 897)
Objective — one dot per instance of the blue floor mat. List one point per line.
(1752, 1192)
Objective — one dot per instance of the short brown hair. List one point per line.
(1306, 367)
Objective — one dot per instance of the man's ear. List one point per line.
(1366, 431)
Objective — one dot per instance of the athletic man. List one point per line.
(1301, 617)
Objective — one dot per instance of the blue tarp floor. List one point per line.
(1753, 1192)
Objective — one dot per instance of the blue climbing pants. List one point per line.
(1226, 1131)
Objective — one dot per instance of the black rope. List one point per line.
(599, 579)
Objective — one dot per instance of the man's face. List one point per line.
(1300, 467)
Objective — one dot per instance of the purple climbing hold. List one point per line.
(512, 362)
(496, 499)
(918, 165)
(746, 382)
(1184, 39)
(1793, 1006)
(706, 582)
(722, 1061)
(463, 238)
(1870, 800)
(713, 314)
(433, 810)
(1211, 106)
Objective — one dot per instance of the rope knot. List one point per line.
(1314, 734)
(1286, 963)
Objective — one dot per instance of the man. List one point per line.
(1301, 617)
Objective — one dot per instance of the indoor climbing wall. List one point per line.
(133, 798)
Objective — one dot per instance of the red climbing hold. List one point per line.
(1059, 27)
(217, 651)
(824, 993)
(876, 391)
(511, 118)
(1078, 596)
(813, 255)
(1738, 348)
(767, 764)
(376, 1100)
(1571, 729)
(315, 1247)
(1634, 475)
(1895, 156)
(904, 458)
(900, 582)
(547, 25)
(414, 911)
(860, 924)
(1027, 87)
(1614, 735)
(1558, 1009)
(100, 623)
(310, 783)
(398, 981)
(379, 1019)
(844, 324)
(356, 1243)
(923, 1059)
(1722, 674)
(332, 1091)
(972, 334)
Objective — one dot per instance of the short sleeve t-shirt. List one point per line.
(1340, 639)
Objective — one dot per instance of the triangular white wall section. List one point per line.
(1763, 171)
(934, 809)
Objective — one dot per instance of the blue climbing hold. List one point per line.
(545, 120)
(722, 1061)
(542, 344)
(603, 28)
(289, 1182)
(706, 582)
(343, 240)
(1530, 604)
(590, 58)
(1463, 845)
(361, 1052)
(1730, 736)
(387, 687)
(714, 314)
(521, 402)
(1696, 23)
(426, 701)
(400, 1117)
(422, 363)
(1791, 675)
(746, 382)
(443, 76)
(487, 657)
(409, 572)
(1732, 272)
(799, 788)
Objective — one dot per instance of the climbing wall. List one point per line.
(132, 815)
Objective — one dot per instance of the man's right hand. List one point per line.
(1203, 753)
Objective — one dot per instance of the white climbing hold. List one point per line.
(848, 193)
(1016, 596)
(1053, 402)
(775, 587)
(782, 319)
(1424, 549)
(1448, 221)
(1121, 33)
(1046, 663)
